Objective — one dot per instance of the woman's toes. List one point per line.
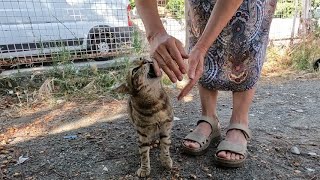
(228, 156)
(241, 157)
(222, 154)
(191, 144)
(237, 157)
(233, 156)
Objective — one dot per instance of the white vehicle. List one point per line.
(39, 27)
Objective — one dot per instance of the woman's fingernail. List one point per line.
(183, 71)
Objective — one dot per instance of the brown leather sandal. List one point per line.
(203, 140)
(232, 147)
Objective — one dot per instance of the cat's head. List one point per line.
(140, 76)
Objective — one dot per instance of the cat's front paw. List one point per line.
(143, 172)
(166, 161)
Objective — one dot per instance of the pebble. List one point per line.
(209, 175)
(155, 145)
(105, 169)
(16, 174)
(4, 152)
(295, 150)
(310, 170)
(176, 118)
(297, 171)
(206, 169)
(193, 176)
(296, 164)
(299, 110)
(312, 154)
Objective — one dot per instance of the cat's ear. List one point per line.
(123, 89)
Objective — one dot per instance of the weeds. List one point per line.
(300, 56)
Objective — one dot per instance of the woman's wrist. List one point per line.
(151, 35)
(201, 47)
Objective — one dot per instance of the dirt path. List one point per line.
(103, 144)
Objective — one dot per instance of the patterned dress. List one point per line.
(235, 59)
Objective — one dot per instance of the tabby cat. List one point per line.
(150, 112)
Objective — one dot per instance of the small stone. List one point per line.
(155, 145)
(299, 110)
(310, 170)
(4, 152)
(206, 169)
(277, 149)
(16, 174)
(180, 160)
(209, 175)
(5, 162)
(9, 157)
(176, 118)
(312, 154)
(295, 150)
(157, 141)
(105, 169)
(296, 164)
(88, 136)
(193, 176)
(297, 171)
(3, 166)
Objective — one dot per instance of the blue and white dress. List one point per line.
(235, 59)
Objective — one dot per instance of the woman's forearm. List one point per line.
(220, 16)
(148, 12)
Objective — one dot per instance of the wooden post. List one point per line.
(306, 17)
(294, 20)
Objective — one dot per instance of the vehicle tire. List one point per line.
(101, 41)
(316, 65)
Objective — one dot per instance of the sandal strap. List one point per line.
(197, 137)
(231, 147)
(200, 138)
(213, 122)
(244, 129)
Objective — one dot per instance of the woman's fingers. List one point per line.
(198, 70)
(176, 55)
(156, 67)
(169, 62)
(182, 51)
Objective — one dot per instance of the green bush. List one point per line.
(176, 7)
(285, 9)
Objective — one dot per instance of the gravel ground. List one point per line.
(94, 140)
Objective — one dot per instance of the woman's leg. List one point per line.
(208, 105)
(240, 115)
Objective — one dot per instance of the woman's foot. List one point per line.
(198, 141)
(236, 137)
(203, 128)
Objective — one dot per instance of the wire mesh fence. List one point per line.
(56, 30)
(46, 30)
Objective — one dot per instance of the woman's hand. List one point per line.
(168, 53)
(196, 65)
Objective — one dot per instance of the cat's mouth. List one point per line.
(151, 73)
